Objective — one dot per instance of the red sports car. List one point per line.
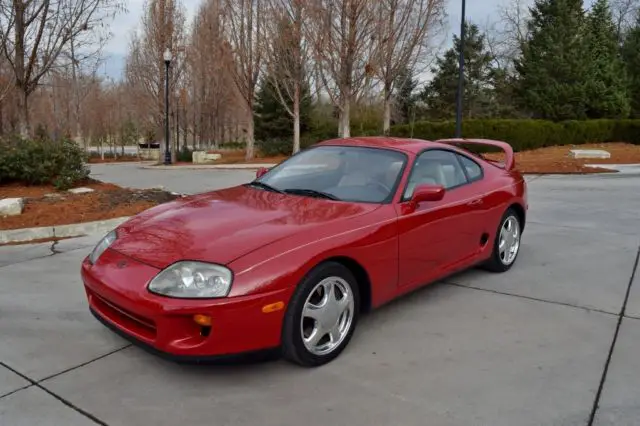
(292, 259)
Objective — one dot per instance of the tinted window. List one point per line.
(474, 171)
(356, 174)
(435, 167)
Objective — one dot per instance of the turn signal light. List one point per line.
(273, 307)
(203, 320)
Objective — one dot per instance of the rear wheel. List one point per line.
(507, 243)
(321, 316)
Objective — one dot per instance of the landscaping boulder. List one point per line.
(203, 157)
(11, 206)
(81, 190)
(589, 153)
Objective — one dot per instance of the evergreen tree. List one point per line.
(441, 93)
(607, 95)
(404, 97)
(272, 120)
(631, 55)
(553, 67)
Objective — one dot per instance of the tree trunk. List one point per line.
(345, 120)
(296, 119)
(23, 113)
(386, 119)
(250, 142)
(76, 100)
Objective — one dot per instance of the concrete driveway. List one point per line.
(544, 344)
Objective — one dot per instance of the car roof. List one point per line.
(400, 144)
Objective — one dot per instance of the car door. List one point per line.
(475, 192)
(434, 237)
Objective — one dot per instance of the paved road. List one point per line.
(541, 345)
(182, 181)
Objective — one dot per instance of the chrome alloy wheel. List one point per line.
(509, 240)
(327, 315)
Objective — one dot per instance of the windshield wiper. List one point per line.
(265, 186)
(312, 192)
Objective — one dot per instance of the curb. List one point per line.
(71, 230)
(211, 167)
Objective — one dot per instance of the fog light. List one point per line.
(203, 320)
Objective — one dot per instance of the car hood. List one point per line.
(224, 225)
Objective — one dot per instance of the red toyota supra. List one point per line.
(290, 260)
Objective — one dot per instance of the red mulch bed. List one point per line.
(108, 201)
(122, 159)
(556, 159)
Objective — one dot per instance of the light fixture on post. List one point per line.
(167, 61)
(460, 75)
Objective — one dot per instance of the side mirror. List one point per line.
(426, 192)
(261, 171)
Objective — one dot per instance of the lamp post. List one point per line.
(167, 62)
(460, 76)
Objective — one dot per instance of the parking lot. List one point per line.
(543, 344)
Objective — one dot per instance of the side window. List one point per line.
(435, 167)
(474, 171)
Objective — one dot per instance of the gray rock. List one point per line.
(589, 153)
(81, 190)
(11, 206)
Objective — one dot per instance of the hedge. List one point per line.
(530, 134)
(520, 134)
(42, 161)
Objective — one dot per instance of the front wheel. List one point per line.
(507, 243)
(321, 316)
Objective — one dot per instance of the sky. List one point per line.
(478, 11)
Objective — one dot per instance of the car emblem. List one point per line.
(121, 264)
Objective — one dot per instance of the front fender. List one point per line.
(370, 240)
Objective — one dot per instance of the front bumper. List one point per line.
(118, 297)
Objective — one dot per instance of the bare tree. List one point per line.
(216, 102)
(403, 37)
(84, 58)
(287, 57)
(624, 14)
(341, 33)
(244, 21)
(35, 32)
(162, 28)
(506, 34)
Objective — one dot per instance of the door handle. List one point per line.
(475, 202)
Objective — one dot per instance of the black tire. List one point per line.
(495, 263)
(293, 348)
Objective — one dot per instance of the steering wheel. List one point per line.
(384, 187)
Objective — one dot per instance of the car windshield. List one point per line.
(345, 173)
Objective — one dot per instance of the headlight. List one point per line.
(192, 280)
(104, 243)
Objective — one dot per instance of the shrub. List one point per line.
(529, 134)
(42, 161)
(185, 155)
(520, 134)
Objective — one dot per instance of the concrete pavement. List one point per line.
(540, 345)
(181, 181)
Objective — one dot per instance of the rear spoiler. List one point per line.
(509, 162)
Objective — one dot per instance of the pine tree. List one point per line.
(404, 97)
(607, 95)
(441, 93)
(631, 56)
(272, 120)
(553, 67)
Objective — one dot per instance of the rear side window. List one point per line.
(474, 171)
